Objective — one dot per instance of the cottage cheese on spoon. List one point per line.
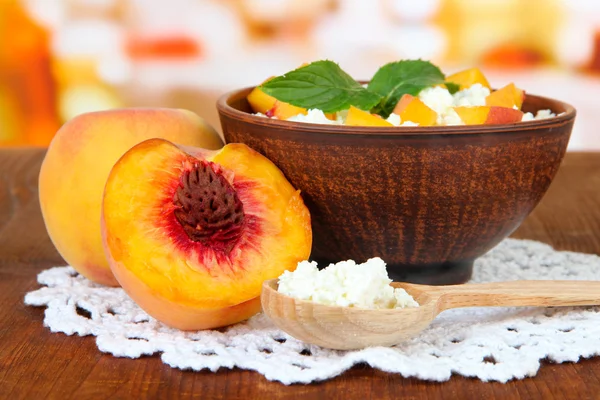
(345, 284)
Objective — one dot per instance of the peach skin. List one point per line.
(503, 115)
(478, 115)
(191, 234)
(77, 163)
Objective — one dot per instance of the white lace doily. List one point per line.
(487, 343)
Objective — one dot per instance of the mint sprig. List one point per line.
(396, 79)
(325, 86)
(322, 85)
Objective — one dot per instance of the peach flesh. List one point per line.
(358, 117)
(508, 96)
(182, 316)
(411, 108)
(468, 77)
(489, 115)
(260, 102)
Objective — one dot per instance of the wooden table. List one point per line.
(35, 363)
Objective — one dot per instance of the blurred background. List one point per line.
(60, 58)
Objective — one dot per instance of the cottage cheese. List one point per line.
(345, 284)
(541, 114)
(315, 116)
(395, 120)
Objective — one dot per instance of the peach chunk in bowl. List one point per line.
(428, 200)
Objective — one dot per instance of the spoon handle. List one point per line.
(518, 293)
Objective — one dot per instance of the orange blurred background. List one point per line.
(60, 58)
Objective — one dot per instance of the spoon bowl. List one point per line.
(347, 328)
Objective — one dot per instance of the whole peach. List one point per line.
(77, 164)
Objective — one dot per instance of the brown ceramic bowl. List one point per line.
(428, 200)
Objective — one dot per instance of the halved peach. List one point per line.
(478, 115)
(508, 96)
(465, 79)
(191, 234)
(358, 117)
(411, 108)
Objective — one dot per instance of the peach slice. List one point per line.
(77, 164)
(465, 79)
(284, 111)
(358, 117)
(503, 115)
(404, 101)
(191, 234)
(259, 101)
(411, 108)
(478, 115)
(508, 96)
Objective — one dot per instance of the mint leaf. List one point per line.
(322, 85)
(395, 79)
(452, 87)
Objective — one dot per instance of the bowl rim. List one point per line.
(224, 108)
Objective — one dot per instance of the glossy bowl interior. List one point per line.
(428, 200)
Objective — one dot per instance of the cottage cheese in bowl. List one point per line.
(439, 99)
(345, 284)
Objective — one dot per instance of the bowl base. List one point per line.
(446, 273)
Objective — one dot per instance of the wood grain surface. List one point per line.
(36, 364)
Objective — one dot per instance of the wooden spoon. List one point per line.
(347, 328)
